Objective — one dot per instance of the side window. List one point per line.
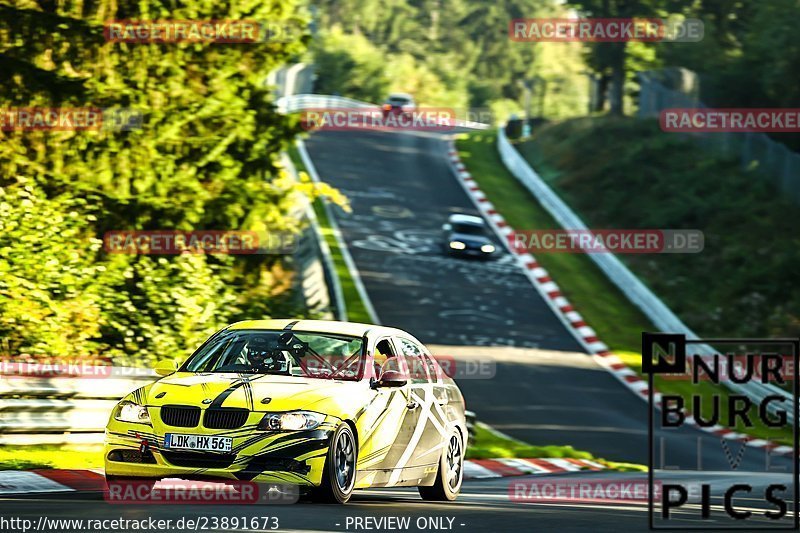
(435, 372)
(416, 360)
(384, 357)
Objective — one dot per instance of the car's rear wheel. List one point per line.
(339, 473)
(450, 473)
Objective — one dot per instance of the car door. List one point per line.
(384, 428)
(427, 397)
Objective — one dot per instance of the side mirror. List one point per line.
(447, 227)
(391, 378)
(165, 368)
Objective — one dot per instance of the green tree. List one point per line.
(205, 158)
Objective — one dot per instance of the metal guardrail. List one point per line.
(631, 286)
(60, 410)
(299, 102)
(57, 410)
(317, 284)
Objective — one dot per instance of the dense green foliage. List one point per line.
(454, 53)
(459, 52)
(624, 173)
(615, 319)
(205, 158)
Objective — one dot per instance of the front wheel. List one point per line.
(339, 473)
(450, 473)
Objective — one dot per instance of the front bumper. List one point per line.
(294, 457)
(470, 252)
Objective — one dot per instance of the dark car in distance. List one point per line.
(399, 103)
(468, 235)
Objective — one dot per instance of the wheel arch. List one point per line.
(355, 435)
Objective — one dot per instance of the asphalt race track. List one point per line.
(402, 190)
(482, 506)
(545, 389)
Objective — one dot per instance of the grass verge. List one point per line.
(356, 311)
(74, 457)
(617, 321)
(627, 173)
(489, 444)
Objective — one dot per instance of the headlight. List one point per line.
(132, 412)
(457, 245)
(487, 248)
(291, 421)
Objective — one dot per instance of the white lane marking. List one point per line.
(348, 259)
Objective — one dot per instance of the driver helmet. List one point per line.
(258, 350)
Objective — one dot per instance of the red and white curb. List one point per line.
(571, 318)
(494, 468)
(64, 481)
(50, 481)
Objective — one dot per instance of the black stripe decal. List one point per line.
(227, 392)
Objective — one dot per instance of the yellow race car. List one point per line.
(328, 406)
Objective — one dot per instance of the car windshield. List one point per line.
(291, 353)
(399, 101)
(469, 229)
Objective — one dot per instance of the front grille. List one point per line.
(199, 460)
(225, 418)
(182, 416)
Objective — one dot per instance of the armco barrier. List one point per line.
(631, 286)
(55, 410)
(298, 102)
(317, 283)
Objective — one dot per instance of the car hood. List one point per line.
(248, 391)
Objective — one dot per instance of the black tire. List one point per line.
(450, 474)
(339, 473)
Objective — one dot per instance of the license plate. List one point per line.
(206, 443)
